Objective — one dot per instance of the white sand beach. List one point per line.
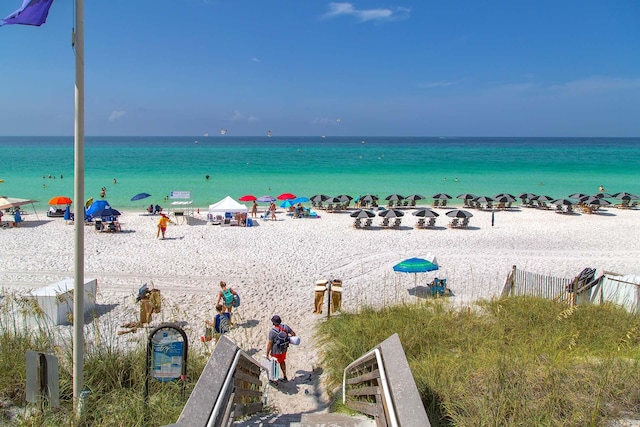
(274, 267)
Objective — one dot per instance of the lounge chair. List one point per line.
(385, 222)
(436, 203)
(420, 223)
(397, 222)
(443, 203)
(432, 222)
(368, 222)
(357, 223)
(464, 223)
(453, 223)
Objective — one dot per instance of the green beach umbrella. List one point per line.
(415, 265)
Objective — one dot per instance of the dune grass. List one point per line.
(518, 361)
(115, 376)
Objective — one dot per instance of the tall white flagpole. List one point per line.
(78, 294)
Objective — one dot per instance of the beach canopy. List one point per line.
(60, 200)
(13, 202)
(140, 196)
(228, 204)
(96, 207)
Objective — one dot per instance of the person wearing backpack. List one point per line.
(225, 296)
(278, 343)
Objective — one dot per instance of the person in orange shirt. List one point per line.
(162, 225)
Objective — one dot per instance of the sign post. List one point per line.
(166, 355)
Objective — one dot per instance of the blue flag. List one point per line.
(32, 12)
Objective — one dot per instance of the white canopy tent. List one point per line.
(227, 205)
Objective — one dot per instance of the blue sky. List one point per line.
(309, 67)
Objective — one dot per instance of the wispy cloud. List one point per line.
(598, 85)
(254, 59)
(115, 115)
(438, 84)
(364, 15)
(586, 86)
(238, 116)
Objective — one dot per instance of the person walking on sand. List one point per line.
(162, 225)
(278, 343)
(254, 209)
(226, 297)
(272, 209)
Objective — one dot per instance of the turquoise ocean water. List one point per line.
(42, 167)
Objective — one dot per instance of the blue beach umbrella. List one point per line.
(299, 200)
(415, 265)
(287, 203)
(140, 196)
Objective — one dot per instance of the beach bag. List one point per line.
(282, 339)
(228, 297)
(222, 323)
(236, 300)
(294, 340)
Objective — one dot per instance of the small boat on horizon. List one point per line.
(223, 131)
(269, 134)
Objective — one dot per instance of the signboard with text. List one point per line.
(180, 195)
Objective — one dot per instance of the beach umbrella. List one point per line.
(285, 196)
(413, 197)
(266, 199)
(287, 204)
(564, 202)
(368, 198)
(415, 266)
(602, 195)
(60, 200)
(362, 213)
(441, 196)
(577, 195)
(625, 196)
(391, 213)
(299, 200)
(333, 200)
(525, 196)
(466, 196)
(319, 198)
(140, 196)
(542, 198)
(504, 198)
(88, 202)
(425, 212)
(598, 201)
(247, 198)
(459, 213)
(483, 199)
(394, 197)
(107, 211)
(345, 197)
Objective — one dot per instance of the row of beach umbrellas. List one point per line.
(424, 212)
